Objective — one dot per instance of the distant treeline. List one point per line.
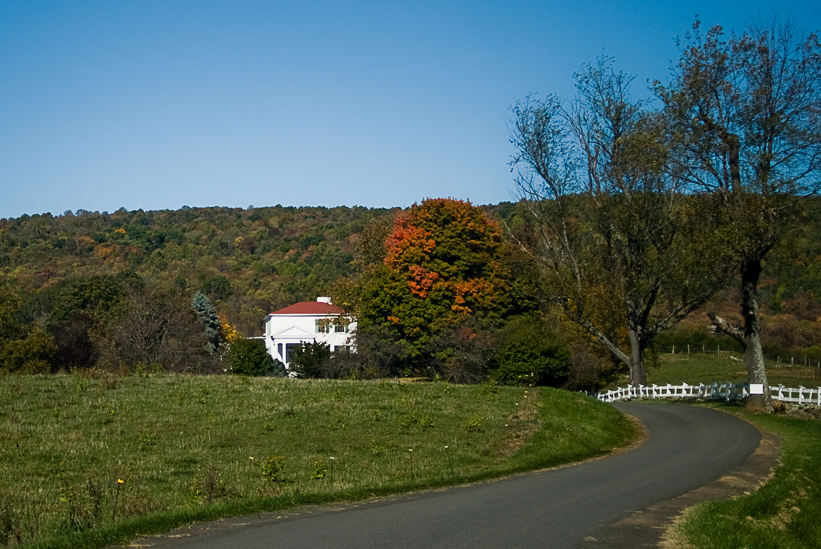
(82, 278)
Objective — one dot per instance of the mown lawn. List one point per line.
(193, 448)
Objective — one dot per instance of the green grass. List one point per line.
(698, 368)
(782, 514)
(183, 445)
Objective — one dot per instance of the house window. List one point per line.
(340, 328)
(290, 349)
(323, 326)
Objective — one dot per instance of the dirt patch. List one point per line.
(520, 425)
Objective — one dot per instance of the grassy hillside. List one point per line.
(193, 447)
(695, 368)
(702, 368)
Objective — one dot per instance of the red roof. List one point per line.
(310, 308)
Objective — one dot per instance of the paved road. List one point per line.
(687, 447)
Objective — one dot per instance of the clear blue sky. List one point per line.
(157, 105)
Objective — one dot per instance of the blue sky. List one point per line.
(156, 105)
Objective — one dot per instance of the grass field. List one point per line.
(194, 448)
(698, 368)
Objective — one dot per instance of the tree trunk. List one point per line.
(638, 375)
(753, 356)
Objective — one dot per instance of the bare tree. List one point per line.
(614, 235)
(745, 113)
(156, 329)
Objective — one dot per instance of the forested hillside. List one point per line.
(76, 288)
(248, 262)
(116, 288)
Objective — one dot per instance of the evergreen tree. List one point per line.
(208, 316)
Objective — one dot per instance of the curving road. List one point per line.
(687, 448)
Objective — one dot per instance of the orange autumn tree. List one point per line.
(442, 264)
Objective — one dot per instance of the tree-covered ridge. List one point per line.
(248, 262)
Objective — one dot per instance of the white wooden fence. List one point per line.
(801, 395)
(714, 391)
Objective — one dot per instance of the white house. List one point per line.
(307, 322)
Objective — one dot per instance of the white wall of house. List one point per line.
(286, 331)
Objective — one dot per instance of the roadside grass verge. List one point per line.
(191, 448)
(784, 513)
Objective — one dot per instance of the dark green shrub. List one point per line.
(311, 359)
(698, 337)
(529, 354)
(249, 357)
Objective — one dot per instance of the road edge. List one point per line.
(191, 531)
(656, 526)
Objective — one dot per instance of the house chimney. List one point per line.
(324, 300)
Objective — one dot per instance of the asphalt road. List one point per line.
(687, 448)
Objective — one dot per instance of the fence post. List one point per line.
(688, 348)
(674, 350)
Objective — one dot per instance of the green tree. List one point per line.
(441, 262)
(746, 120)
(23, 349)
(249, 357)
(618, 245)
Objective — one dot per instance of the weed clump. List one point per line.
(273, 468)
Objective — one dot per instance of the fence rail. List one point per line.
(714, 391)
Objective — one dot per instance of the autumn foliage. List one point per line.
(442, 264)
(449, 250)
